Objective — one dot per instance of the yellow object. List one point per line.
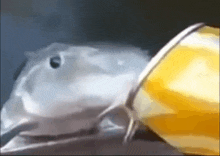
(178, 96)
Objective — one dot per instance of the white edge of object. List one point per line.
(171, 44)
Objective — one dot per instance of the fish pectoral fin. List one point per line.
(133, 125)
(120, 100)
(108, 125)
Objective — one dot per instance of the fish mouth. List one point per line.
(39, 134)
(49, 138)
(53, 144)
(21, 143)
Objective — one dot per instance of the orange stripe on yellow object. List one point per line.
(186, 123)
(185, 86)
(209, 32)
(193, 144)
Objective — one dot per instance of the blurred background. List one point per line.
(27, 25)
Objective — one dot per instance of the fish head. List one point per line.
(62, 87)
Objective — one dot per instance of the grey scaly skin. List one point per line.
(63, 88)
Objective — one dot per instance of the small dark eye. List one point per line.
(55, 62)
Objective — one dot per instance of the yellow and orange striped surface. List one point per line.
(179, 94)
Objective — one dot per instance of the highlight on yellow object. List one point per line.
(178, 96)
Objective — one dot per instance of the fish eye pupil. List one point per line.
(55, 62)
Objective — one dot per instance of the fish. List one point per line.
(62, 88)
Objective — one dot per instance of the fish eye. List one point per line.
(55, 62)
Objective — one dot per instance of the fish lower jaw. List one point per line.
(47, 137)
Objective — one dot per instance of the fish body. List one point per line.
(62, 88)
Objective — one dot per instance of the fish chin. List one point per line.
(68, 124)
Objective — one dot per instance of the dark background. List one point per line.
(27, 25)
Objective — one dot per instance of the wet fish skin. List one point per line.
(69, 98)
